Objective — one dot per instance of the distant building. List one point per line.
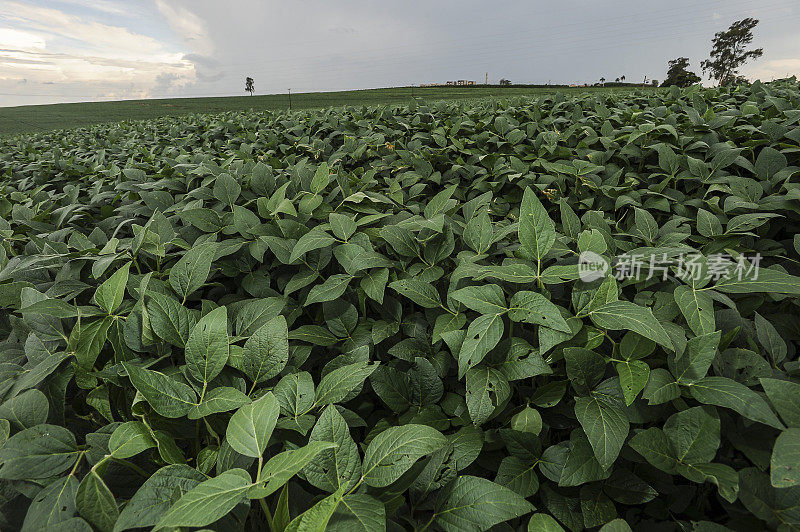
(460, 82)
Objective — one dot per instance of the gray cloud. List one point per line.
(322, 45)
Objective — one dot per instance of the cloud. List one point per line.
(94, 59)
(105, 6)
(773, 69)
(12, 38)
(99, 49)
(191, 28)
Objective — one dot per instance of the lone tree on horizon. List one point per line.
(728, 52)
(249, 85)
(679, 74)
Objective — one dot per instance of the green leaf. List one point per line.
(476, 504)
(518, 475)
(656, 448)
(725, 477)
(88, 340)
(283, 466)
(208, 501)
(295, 393)
(785, 397)
(646, 225)
(317, 517)
(251, 426)
(696, 359)
(343, 226)
(478, 233)
(334, 467)
(42, 451)
(420, 292)
(631, 317)
(483, 334)
(529, 420)
(721, 391)
(784, 470)
(605, 424)
(633, 376)
(207, 348)
(191, 271)
(130, 439)
(110, 294)
(617, 525)
(169, 320)
(53, 506)
(769, 162)
(321, 179)
(26, 410)
(314, 239)
(694, 434)
(166, 396)
(222, 399)
(532, 307)
(698, 309)
(333, 288)
(96, 503)
(596, 507)
(337, 384)
(769, 338)
(254, 313)
(51, 307)
(766, 280)
(358, 512)
(154, 498)
(581, 465)
(313, 334)
(486, 390)
(266, 352)
(392, 452)
(661, 387)
(227, 189)
(585, 368)
(543, 523)
(537, 231)
(484, 299)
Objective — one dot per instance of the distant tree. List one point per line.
(504, 81)
(622, 78)
(728, 51)
(654, 82)
(678, 73)
(249, 85)
(617, 80)
(602, 81)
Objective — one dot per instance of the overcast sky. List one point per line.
(78, 50)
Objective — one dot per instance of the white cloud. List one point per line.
(773, 69)
(11, 38)
(106, 6)
(95, 60)
(190, 27)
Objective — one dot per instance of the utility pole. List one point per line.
(290, 99)
(487, 79)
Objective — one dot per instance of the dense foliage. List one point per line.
(408, 318)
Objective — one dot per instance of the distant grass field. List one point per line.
(38, 118)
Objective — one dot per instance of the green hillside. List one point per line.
(37, 118)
